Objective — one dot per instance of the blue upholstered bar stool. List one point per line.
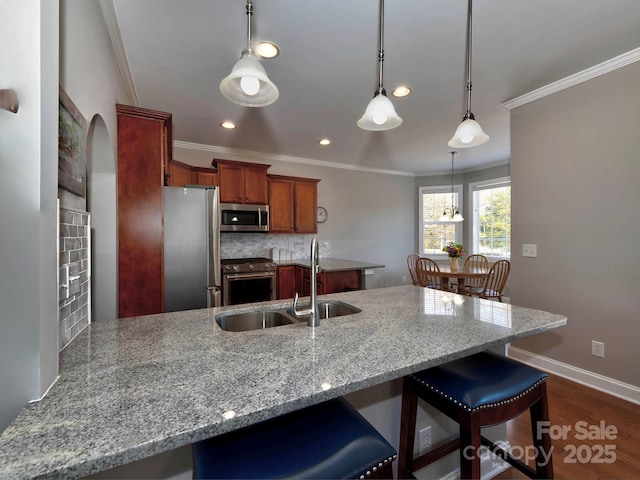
(477, 391)
(328, 440)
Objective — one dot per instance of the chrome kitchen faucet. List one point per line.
(312, 311)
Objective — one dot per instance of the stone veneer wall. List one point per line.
(74, 301)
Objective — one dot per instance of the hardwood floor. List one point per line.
(601, 437)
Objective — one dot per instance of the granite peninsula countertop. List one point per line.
(331, 264)
(135, 387)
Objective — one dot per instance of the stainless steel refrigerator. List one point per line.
(192, 276)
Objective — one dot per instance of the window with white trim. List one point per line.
(491, 219)
(434, 234)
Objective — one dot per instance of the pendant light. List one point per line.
(380, 114)
(469, 133)
(451, 214)
(248, 84)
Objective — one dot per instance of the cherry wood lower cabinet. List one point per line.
(292, 279)
(344, 281)
(144, 150)
(286, 282)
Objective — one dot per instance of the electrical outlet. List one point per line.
(529, 250)
(424, 440)
(404, 279)
(597, 349)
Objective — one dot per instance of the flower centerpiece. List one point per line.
(455, 251)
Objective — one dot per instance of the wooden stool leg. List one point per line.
(470, 441)
(383, 473)
(539, 412)
(407, 430)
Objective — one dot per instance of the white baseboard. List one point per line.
(490, 466)
(607, 385)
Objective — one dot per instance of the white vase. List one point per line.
(453, 262)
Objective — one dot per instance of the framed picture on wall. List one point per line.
(71, 147)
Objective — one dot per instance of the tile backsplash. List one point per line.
(244, 245)
(74, 283)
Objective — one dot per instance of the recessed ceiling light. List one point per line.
(401, 91)
(324, 141)
(228, 124)
(267, 50)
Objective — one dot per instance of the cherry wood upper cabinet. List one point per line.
(281, 205)
(306, 206)
(144, 151)
(179, 174)
(209, 179)
(293, 204)
(242, 182)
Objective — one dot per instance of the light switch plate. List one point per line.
(529, 250)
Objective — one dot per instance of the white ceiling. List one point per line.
(178, 51)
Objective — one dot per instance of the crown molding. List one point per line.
(113, 28)
(268, 157)
(575, 79)
(464, 171)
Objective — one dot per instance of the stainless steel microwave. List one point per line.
(240, 217)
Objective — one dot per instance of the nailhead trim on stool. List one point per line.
(476, 391)
(328, 440)
(479, 407)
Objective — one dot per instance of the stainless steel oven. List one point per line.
(248, 280)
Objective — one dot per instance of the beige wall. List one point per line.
(575, 172)
(52, 43)
(28, 184)
(90, 76)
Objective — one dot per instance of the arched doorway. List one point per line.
(101, 204)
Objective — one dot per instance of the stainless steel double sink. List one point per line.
(257, 320)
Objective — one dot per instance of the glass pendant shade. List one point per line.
(248, 84)
(457, 217)
(379, 115)
(468, 134)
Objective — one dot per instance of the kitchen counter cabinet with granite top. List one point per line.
(336, 275)
(136, 387)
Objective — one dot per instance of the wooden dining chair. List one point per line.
(493, 285)
(428, 273)
(411, 264)
(475, 262)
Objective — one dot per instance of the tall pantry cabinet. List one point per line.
(144, 151)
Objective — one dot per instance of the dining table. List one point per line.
(461, 275)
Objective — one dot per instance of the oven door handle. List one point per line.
(235, 276)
